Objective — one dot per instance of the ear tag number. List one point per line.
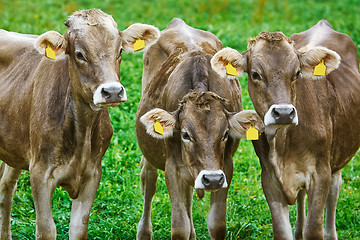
(139, 44)
(252, 133)
(320, 69)
(49, 52)
(230, 69)
(158, 128)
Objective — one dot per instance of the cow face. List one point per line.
(93, 46)
(205, 129)
(274, 67)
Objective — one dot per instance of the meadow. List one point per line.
(118, 205)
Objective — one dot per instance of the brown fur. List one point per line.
(178, 78)
(307, 157)
(49, 122)
(269, 37)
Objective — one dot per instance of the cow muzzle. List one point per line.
(211, 180)
(281, 114)
(109, 95)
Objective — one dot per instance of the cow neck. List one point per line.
(278, 142)
(80, 111)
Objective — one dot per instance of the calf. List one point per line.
(54, 119)
(306, 88)
(189, 122)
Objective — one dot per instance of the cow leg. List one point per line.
(330, 228)
(181, 227)
(8, 183)
(217, 214)
(278, 207)
(301, 215)
(317, 195)
(148, 176)
(42, 187)
(81, 206)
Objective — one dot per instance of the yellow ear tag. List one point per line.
(139, 44)
(158, 128)
(252, 133)
(320, 69)
(230, 69)
(49, 52)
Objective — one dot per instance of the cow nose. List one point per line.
(109, 94)
(281, 115)
(210, 180)
(113, 93)
(213, 181)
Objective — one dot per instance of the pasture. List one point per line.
(118, 205)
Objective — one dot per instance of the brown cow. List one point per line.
(311, 122)
(54, 119)
(200, 113)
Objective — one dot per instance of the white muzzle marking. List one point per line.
(199, 183)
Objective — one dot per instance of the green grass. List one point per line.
(118, 204)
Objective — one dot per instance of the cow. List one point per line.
(306, 89)
(54, 121)
(188, 124)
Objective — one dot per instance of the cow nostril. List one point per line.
(206, 181)
(105, 93)
(292, 114)
(221, 180)
(275, 113)
(121, 92)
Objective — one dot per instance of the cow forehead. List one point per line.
(204, 117)
(85, 19)
(273, 54)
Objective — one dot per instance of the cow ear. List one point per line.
(314, 56)
(221, 59)
(240, 122)
(139, 32)
(158, 123)
(51, 39)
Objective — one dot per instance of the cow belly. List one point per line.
(13, 160)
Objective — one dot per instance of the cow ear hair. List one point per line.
(167, 121)
(240, 122)
(148, 33)
(53, 39)
(313, 56)
(228, 55)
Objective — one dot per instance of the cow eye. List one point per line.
(256, 76)
(121, 50)
(185, 137)
(226, 136)
(80, 56)
(297, 75)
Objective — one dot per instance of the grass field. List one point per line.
(118, 205)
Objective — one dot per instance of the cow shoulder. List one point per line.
(178, 32)
(14, 45)
(323, 35)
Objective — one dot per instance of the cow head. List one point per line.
(205, 128)
(274, 67)
(93, 46)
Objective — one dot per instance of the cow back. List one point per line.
(341, 90)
